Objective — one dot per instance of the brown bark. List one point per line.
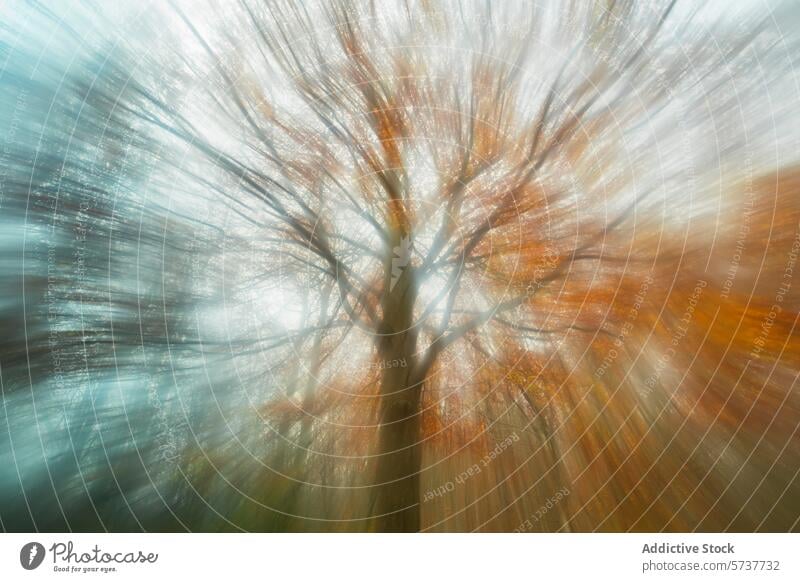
(396, 493)
(398, 466)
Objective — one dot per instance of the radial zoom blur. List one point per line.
(401, 266)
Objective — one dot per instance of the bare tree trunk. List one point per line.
(398, 466)
(397, 493)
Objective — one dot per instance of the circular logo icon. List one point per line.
(31, 555)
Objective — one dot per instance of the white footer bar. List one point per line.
(390, 557)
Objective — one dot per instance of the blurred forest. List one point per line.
(413, 266)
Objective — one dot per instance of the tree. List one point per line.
(468, 226)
